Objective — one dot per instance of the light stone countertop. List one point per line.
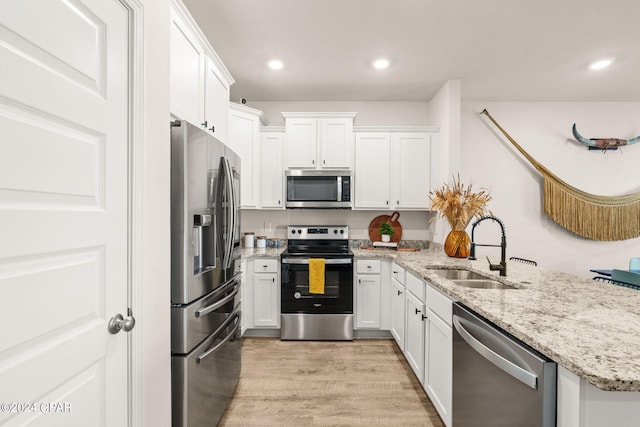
(591, 328)
(263, 252)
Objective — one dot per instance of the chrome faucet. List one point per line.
(502, 267)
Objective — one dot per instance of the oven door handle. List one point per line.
(326, 261)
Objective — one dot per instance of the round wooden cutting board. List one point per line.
(375, 224)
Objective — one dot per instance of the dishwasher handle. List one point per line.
(507, 366)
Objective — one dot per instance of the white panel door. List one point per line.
(271, 170)
(412, 170)
(265, 299)
(373, 170)
(336, 142)
(244, 139)
(216, 103)
(368, 301)
(63, 211)
(301, 138)
(186, 70)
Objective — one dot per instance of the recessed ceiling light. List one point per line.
(602, 63)
(380, 64)
(275, 64)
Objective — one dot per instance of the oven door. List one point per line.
(338, 287)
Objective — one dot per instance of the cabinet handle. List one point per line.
(278, 201)
(204, 124)
(212, 129)
(397, 202)
(313, 162)
(418, 311)
(324, 162)
(369, 266)
(399, 292)
(359, 280)
(386, 202)
(424, 317)
(395, 272)
(273, 279)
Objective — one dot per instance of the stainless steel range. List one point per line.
(309, 314)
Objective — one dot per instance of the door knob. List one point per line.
(118, 322)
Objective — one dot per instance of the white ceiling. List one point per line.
(501, 50)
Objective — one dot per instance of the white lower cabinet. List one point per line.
(397, 311)
(368, 299)
(414, 336)
(266, 293)
(438, 352)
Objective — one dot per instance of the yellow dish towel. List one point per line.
(316, 275)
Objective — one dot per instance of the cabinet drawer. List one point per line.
(415, 285)
(265, 266)
(397, 272)
(368, 266)
(439, 303)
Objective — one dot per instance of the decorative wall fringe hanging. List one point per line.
(594, 217)
(603, 143)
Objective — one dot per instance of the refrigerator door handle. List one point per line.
(230, 212)
(507, 366)
(223, 342)
(217, 305)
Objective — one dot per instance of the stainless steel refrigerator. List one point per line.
(205, 276)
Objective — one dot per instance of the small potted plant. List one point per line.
(386, 231)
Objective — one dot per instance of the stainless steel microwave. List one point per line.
(318, 189)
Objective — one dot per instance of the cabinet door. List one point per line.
(301, 138)
(397, 312)
(372, 171)
(272, 171)
(186, 73)
(438, 374)
(265, 299)
(368, 301)
(216, 102)
(336, 143)
(414, 337)
(244, 140)
(412, 170)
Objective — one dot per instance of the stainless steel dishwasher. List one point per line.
(498, 380)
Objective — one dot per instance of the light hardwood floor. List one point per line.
(327, 383)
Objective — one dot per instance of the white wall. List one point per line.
(444, 112)
(415, 224)
(543, 129)
(154, 318)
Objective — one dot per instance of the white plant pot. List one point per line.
(386, 238)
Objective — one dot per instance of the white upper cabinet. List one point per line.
(372, 171)
(216, 102)
(186, 70)
(412, 169)
(244, 139)
(319, 140)
(394, 169)
(199, 81)
(271, 170)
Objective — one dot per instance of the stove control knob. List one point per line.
(293, 231)
(335, 231)
(299, 231)
(341, 231)
(297, 295)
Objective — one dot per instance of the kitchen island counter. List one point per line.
(590, 328)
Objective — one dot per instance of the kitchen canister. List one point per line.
(248, 239)
(261, 242)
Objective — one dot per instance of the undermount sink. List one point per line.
(470, 279)
(482, 284)
(458, 274)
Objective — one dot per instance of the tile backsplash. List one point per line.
(416, 225)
